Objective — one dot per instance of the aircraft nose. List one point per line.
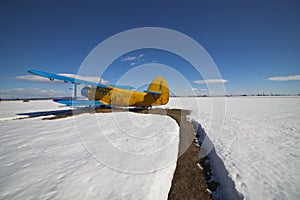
(85, 91)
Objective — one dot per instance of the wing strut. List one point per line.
(75, 91)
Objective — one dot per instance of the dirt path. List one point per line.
(188, 180)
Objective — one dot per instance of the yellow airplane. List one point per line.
(102, 95)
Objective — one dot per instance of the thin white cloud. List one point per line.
(285, 78)
(133, 60)
(210, 81)
(128, 58)
(34, 78)
(31, 93)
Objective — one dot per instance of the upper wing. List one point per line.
(66, 79)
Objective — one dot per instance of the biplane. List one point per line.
(100, 95)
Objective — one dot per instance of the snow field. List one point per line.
(257, 139)
(18, 109)
(88, 156)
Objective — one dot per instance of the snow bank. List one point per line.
(257, 139)
(90, 156)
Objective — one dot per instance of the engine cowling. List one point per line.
(85, 91)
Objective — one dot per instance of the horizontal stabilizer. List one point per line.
(79, 102)
(65, 78)
(152, 92)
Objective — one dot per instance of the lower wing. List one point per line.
(79, 102)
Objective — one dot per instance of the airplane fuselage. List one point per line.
(122, 97)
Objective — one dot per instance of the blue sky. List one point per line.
(250, 41)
